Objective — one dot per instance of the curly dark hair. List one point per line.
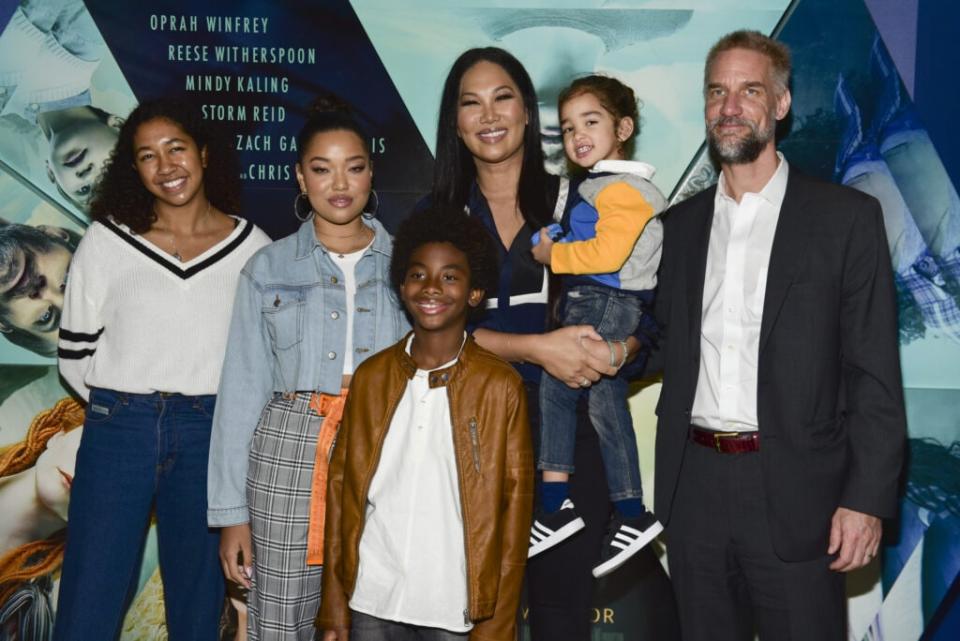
(120, 194)
(440, 225)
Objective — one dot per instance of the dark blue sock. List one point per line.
(629, 508)
(553, 494)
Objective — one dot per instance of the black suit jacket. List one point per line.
(829, 395)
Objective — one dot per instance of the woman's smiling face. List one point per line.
(337, 176)
(491, 116)
(169, 162)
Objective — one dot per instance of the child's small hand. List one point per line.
(541, 251)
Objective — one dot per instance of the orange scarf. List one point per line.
(331, 409)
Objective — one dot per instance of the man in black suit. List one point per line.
(781, 420)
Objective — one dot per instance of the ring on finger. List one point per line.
(584, 382)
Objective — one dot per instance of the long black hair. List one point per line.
(455, 171)
(120, 193)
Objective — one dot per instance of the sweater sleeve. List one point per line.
(623, 213)
(246, 383)
(81, 323)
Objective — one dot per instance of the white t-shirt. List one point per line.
(348, 265)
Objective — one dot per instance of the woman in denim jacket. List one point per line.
(309, 309)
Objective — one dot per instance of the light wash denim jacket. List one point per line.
(288, 334)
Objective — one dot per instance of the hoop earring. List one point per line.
(376, 205)
(298, 209)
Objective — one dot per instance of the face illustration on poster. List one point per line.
(60, 91)
(34, 263)
(35, 499)
(54, 470)
(80, 141)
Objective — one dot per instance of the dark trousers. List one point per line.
(727, 579)
(139, 451)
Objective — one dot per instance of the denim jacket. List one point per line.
(288, 334)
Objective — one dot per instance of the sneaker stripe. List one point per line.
(541, 529)
(547, 541)
(627, 546)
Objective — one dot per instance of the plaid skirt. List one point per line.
(283, 601)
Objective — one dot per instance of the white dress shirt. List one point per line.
(413, 564)
(741, 238)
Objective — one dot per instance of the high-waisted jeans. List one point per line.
(139, 452)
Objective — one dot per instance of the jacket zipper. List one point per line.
(475, 440)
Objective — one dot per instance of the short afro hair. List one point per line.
(436, 225)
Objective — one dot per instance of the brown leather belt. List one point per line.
(725, 442)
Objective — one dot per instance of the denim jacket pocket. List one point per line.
(283, 317)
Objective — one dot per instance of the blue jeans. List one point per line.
(614, 314)
(141, 451)
(364, 627)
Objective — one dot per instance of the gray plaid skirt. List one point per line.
(285, 595)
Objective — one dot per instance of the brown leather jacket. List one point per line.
(491, 438)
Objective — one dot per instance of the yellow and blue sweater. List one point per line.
(613, 236)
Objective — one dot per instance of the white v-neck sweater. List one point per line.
(136, 319)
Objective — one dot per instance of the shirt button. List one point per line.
(730, 347)
(333, 279)
(331, 355)
(334, 315)
(34, 106)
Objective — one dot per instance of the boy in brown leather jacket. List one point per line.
(429, 496)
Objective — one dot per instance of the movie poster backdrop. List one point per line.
(70, 71)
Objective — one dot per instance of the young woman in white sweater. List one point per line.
(143, 333)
